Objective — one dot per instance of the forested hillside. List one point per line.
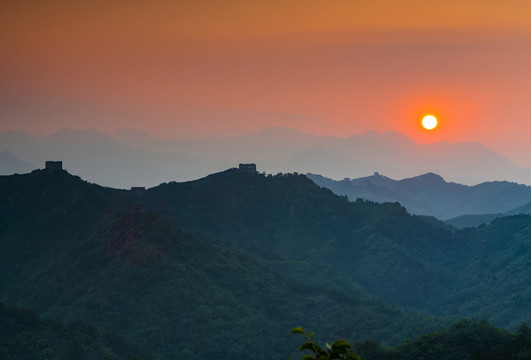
(79, 252)
(24, 335)
(288, 222)
(211, 268)
(464, 339)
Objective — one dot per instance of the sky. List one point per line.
(191, 69)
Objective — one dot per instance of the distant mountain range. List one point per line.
(131, 158)
(430, 194)
(478, 219)
(10, 164)
(100, 159)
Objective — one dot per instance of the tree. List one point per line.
(338, 350)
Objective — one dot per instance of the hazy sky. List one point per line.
(226, 67)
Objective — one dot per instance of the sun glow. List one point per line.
(429, 122)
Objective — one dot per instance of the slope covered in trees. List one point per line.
(464, 339)
(236, 257)
(288, 222)
(24, 335)
(79, 252)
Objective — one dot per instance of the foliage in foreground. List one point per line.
(464, 339)
(338, 350)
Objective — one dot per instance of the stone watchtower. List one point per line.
(247, 168)
(54, 166)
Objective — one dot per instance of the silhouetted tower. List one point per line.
(248, 168)
(54, 166)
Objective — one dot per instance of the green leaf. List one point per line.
(306, 346)
(341, 344)
(308, 357)
(297, 330)
(353, 357)
(339, 351)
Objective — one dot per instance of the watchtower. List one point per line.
(54, 166)
(248, 168)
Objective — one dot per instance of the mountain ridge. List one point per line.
(115, 159)
(177, 263)
(11, 164)
(82, 252)
(430, 194)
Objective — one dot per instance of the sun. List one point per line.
(429, 122)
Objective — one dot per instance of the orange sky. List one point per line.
(330, 67)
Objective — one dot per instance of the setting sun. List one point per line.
(429, 122)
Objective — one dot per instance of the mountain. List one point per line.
(179, 263)
(286, 221)
(278, 149)
(290, 221)
(110, 258)
(476, 220)
(24, 335)
(100, 159)
(430, 194)
(10, 164)
(494, 271)
(131, 158)
(463, 221)
(524, 209)
(464, 339)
